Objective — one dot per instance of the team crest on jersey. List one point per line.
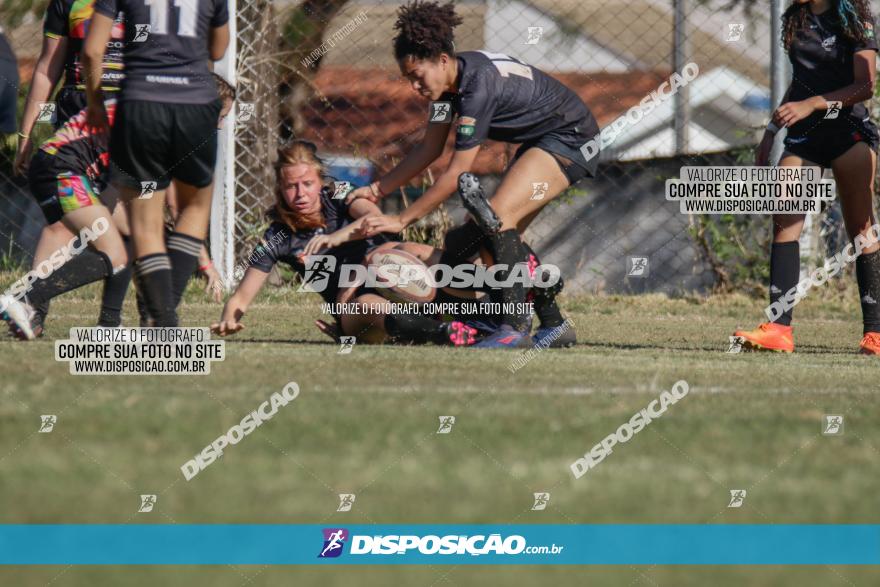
(869, 30)
(466, 125)
(828, 44)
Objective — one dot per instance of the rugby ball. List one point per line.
(400, 276)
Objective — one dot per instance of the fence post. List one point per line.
(682, 117)
(778, 72)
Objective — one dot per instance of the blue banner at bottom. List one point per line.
(524, 544)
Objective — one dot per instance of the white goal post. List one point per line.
(222, 229)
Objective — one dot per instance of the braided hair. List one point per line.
(425, 30)
(851, 16)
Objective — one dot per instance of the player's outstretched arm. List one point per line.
(445, 186)
(359, 210)
(237, 305)
(412, 164)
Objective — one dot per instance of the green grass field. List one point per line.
(365, 423)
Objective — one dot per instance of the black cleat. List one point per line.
(475, 203)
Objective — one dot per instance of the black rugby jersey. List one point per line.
(502, 99)
(822, 62)
(166, 48)
(281, 243)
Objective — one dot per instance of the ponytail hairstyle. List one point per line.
(294, 153)
(851, 17)
(425, 30)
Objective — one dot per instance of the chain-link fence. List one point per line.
(323, 70)
(340, 87)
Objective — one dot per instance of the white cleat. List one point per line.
(18, 315)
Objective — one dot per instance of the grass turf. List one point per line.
(365, 423)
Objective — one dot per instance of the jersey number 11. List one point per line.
(159, 17)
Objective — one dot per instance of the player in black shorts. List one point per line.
(833, 49)
(69, 173)
(166, 130)
(64, 30)
(494, 97)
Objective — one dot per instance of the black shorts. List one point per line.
(829, 140)
(153, 142)
(567, 151)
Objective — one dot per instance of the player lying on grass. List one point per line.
(307, 220)
(833, 51)
(68, 168)
(64, 29)
(166, 131)
(495, 97)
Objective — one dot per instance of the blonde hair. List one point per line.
(296, 152)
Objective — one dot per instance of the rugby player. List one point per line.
(166, 131)
(494, 97)
(64, 29)
(832, 48)
(307, 219)
(66, 165)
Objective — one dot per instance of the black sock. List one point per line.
(462, 243)
(868, 276)
(509, 250)
(153, 274)
(183, 252)
(115, 288)
(88, 266)
(785, 269)
(143, 311)
(415, 328)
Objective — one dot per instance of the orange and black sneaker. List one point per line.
(870, 344)
(768, 336)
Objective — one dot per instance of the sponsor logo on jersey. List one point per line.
(466, 126)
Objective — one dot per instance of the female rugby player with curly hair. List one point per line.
(833, 50)
(494, 97)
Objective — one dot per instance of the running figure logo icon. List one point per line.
(147, 503)
(638, 266)
(319, 268)
(541, 501)
(141, 33)
(832, 425)
(334, 541)
(833, 109)
(737, 497)
(147, 190)
(735, 31)
(446, 423)
(346, 500)
(47, 423)
(46, 112)
(534, 35)
(441, 112)
(346, 344)
(539, 190)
